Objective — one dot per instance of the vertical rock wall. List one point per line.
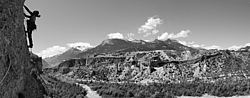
(15, 78)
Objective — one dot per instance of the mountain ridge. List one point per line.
(119, 45)
(110, 46)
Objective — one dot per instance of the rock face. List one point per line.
(15, 78)
(162, 66)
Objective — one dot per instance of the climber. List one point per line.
(31, 25)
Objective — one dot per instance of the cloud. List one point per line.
(186, 43)
(195, 45)
(56, 50)
(80, 45)
(115, 36)
(146, 40)
(191, 44)
(166, 35)
(130, 36)
(52, 51)
(235, 47)
(212, 47)
(248, 44)
(150, 26)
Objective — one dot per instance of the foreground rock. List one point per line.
(15, 67)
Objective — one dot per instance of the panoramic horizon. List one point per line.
(125, 49)
(208, 24)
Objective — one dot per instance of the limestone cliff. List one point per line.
(15, 78)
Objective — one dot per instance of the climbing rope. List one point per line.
(5, 74)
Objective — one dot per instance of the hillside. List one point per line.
(162, 66)
(119, 45)
(162, 73)
(110, 46)
(55, 60)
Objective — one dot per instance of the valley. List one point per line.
(165, 73)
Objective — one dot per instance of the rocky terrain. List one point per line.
(15, 66)
(21, 74)
(116, 68)
(160, 66)
(187, 68)
(110, 46)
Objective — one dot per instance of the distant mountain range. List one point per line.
(55, 60)
(120, 45)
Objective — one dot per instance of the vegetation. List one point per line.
(58, 89)
(171, 90)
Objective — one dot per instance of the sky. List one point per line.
(199, 23)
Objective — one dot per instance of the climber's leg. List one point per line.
(30, 39)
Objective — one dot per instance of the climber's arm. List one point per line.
(26, 15)
(27, 9)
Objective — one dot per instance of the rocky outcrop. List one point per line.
(114, 47)
(164, 66)
(15, 67)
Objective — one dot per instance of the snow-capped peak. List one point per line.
(80, 46)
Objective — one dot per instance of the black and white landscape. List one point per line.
(124, 49)
(121, 68)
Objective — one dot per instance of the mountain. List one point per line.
(247, 48)
(45, 64)
(207, 66)
(69, 54)
(119, 45)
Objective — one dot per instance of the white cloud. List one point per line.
(212, 47)
(52, 51)
(248, 44)
(235, 47)
(56, 50)
(147, 40)
(163, 36)
(186, 43)
(130, 36)
(150, 27)
(80, 45)
(115, 36)
(191, 44)
(166, 35)
(195, 45)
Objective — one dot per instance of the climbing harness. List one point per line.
(30, 49)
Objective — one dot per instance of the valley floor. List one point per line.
(208, 96)
(98, 89)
